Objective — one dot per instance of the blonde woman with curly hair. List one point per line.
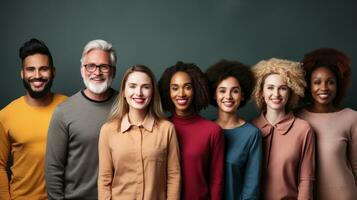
(288, 142)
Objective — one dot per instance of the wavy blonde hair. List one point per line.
(292, 73)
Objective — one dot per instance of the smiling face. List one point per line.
(275, 92)
(138, 91)
(228, 95)
(97, 82)
(323, 86)
(181, 93)
(37, 75)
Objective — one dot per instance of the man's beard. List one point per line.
(98, 88)
(38, 94)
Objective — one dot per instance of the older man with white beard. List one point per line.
(72, 143)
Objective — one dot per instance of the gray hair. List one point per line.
(102, 45)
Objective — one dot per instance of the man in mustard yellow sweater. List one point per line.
(24, 123)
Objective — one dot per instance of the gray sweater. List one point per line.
(72, 147)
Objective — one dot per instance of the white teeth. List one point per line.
(323, 96)
(181, 101)
(228, 104)
(276, 100)
(37, 83)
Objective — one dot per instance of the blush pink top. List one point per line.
(336, 139)
(289, 158)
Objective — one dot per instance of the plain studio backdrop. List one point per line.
(157, 33)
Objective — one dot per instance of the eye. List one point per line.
(331, 82)
(270, 87)
(30, 69)
(44, 69)
(147, 87)
(284, 88)
(188, 87)
(174, 88)
(316, 82)
(222, 91)
(236, 91)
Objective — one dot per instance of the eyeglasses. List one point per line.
(91, 67)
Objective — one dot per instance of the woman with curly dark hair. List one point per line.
(327, 75)
(184, 92)
(231, 84)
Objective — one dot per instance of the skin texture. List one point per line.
(228, 95)
(37, 74)
(138, 93)
(276, 95)
(181, 93)
(323, 90)
(97, 79)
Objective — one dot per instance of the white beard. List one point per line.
(98, 88)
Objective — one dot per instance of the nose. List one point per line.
(228, 95)
(97, 71)
(139, 91)
(324, 86)
(181, 92)
(37, 73)
(276, 92)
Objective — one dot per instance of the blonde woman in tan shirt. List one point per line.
(288, 142)
(138, 149)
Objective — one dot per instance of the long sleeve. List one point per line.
(173, 167)
(250, 189)
(56, 156)
(4, 155)
(216, 165)
(307, 167)
(352, 150)
(105, 174)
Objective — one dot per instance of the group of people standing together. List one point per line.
(104, 144)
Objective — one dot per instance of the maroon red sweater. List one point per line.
(202, 153)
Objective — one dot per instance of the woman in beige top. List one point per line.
(288, 142)
(327, 75)
(138, 149)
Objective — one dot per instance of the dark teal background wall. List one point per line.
(157, 33)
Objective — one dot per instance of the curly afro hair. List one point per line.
(224, 69)
(199, 83)
(290, 71)
(334, 60)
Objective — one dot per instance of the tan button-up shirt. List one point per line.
(139, 161)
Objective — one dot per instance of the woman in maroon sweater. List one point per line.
(184, 93)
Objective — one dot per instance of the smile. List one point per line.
(139, 100)
(182, 102)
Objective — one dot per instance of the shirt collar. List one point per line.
(281, 127)
(147, 124)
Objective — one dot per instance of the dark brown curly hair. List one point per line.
(199, 83)
(334, 60)
(224, 69)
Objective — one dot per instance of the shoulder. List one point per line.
(301, 124)
(209, 125)
(109, 126)
(349, 112)
(59, 97)
(13, 107)
(252, 130)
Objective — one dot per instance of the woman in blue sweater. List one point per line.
(231, 84)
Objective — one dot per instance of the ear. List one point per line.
(82, 71)
(22, 73)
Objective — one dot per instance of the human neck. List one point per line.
(98, 97)
(274, 116)
(136, 116)
(229, 120)
(40, 102)
(318, 108)
(184, 113)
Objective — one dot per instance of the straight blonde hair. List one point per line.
(120, 107)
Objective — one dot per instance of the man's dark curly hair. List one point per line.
(224, 69)
(334, 60)
(199, 83)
